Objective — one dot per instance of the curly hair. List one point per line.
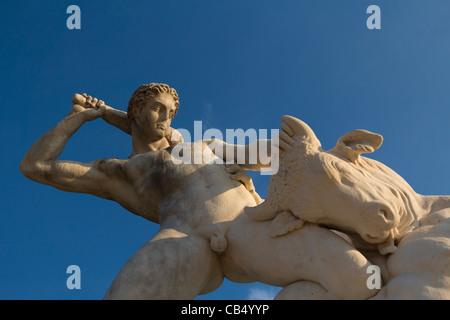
(146, 91)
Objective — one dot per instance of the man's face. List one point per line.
(156, 116)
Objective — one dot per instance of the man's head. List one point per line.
(152, 108)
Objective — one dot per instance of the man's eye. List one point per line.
(155, 108)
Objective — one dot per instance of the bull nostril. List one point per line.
(386, 213)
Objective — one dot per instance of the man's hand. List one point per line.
(285, 140)
(90, 108)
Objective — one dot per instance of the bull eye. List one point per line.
(342, 169)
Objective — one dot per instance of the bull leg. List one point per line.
(172, 265)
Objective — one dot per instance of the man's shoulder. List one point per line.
(126, 169)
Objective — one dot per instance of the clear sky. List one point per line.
(235, 64)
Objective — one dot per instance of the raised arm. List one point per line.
(41, 162)
(118, 118)
(114, 117)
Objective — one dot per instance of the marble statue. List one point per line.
(328, 216)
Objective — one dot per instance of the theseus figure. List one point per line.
(195, 205)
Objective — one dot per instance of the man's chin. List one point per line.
(159, 134)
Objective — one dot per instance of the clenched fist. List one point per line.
(91, 108)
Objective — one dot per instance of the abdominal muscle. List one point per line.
(207, 198)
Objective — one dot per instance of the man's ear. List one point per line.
(352, 144)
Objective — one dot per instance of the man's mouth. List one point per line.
(160, 126)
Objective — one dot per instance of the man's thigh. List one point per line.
(172, 265)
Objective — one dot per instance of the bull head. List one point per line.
(332, 188)
(304, 135)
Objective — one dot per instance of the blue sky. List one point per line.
(235, 64)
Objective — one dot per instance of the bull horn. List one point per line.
(299, 127)
(261, 212)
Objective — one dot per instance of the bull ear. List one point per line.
(352, 144)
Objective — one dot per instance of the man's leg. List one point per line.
(172, 265)
(305, 290)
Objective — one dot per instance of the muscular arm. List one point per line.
(118, 119)
(255, 156)
(41, 162)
